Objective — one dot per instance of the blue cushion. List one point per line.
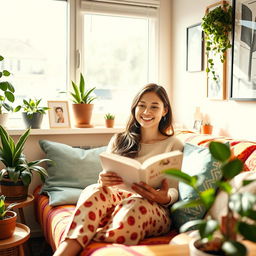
(196, 161)
(70, 172)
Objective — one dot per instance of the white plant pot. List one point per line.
(196, 252)
(3, 119)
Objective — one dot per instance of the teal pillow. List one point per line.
(71, 171)
(196, 161)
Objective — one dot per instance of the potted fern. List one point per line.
(109, 120)
(7, 219)
(33, 113)
(82, 104)
(17, 174)
(220, 238)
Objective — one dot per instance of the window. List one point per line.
(33, 41)
(119, 55)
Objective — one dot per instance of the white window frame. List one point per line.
(77, 8)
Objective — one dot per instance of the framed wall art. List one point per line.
(194, 60)
(216, 88)
(243, 71)
(58, 114)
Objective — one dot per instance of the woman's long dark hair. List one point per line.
(127, 143)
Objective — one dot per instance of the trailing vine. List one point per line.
(217, 24)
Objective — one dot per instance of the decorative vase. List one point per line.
(109, 123)
(7, 225)
(206, 129)
(33, 121)
(82, 115)
(14, 192)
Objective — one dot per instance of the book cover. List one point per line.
(150, 171)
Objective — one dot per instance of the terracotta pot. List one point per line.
(14, 192)
(206, 129)
(109, 123)
(7, 225)
(82, 115)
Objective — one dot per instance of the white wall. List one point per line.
(230, 118)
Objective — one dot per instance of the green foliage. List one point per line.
(7, 91)
(217, 25)
(32, 106)
(80, 95)
(109, 116)
(16, 165)
(3, 208)
(242, 204)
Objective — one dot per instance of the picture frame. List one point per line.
(243, 69)
(58, 114)
(197, 125)
(216, 89)
(194, 48)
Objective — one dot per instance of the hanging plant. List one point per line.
(217, 25)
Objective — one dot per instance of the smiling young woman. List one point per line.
(106, 213)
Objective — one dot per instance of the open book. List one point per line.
(150, 171)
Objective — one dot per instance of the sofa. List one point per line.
(54, 218)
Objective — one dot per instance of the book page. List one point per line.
(126, 168)
(152, 168)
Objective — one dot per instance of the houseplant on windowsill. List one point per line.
(206, 128)
(17, 174)
(7, 95)
(82, 104)
(33, 113)
(7, 219)
(221, 238)
(109, 120)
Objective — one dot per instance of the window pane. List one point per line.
(33, 40)
(116, 59)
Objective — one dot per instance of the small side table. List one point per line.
(22, 204)
(14, 245)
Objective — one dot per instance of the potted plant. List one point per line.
(109, 120)
(82, 106)
(217, 25)
(7, 95)
(33, 113)
(221, 238)
(206, 128)
(17, 174)
(7, 219)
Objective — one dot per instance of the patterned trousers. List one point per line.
(107, 214)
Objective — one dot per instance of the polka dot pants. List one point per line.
(108, 215)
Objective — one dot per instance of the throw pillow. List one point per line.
(196, 161)
(219, 207)
(70, 172)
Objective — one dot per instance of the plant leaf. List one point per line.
(207, 229)
(233, 248)
(248, 231)
(191, 224)
(219, 151)
(232, 168)
(9, 96)
(81, 86)
(181, 176)
(186, 204)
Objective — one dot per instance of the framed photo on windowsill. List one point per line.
(194, 61)
(243, 72)
(58, 114)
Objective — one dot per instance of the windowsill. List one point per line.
(60, 131)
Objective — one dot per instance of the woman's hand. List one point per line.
(159, 196)
(109, 179)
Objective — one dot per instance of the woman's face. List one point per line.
(149, 110)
